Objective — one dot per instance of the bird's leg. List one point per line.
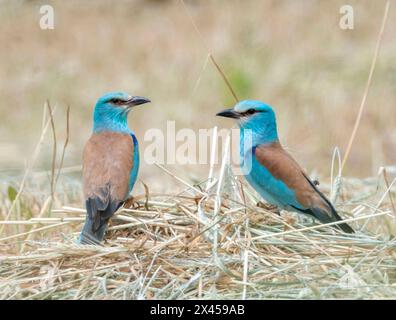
(268, 207)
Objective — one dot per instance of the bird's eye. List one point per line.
(250, 111)
(115, 101)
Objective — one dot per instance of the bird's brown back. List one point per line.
(107, 164)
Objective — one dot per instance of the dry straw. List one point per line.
(210, 241)
(169, 251)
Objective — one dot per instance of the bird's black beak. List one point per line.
(136, 100)
(229, 113)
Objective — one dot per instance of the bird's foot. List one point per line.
(131, 203)
(268, 207)
(290, 220)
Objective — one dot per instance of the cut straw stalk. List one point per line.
(203, 219)
(217, 206)
(335, 184)
(33, 231)
(384, 173)
(375, 209)
(34, 221)
(213, 151)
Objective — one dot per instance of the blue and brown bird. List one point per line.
(271, 170)
(110, 163)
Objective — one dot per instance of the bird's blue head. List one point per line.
(111, 111)
(255, 116)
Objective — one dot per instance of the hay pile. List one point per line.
(197, 245)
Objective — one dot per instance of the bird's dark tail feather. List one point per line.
(99, 213)
(343, 226)
(90, 235)
(326, 217)
(346, 228)
(323, 217)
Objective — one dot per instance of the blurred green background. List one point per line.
(290, 54)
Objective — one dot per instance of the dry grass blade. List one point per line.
(65, 144)
(54, 146)
(28, 169)
(383, 170)
(217, 66)
(368, 84)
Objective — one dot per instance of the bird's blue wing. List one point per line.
(135, 168)
(270, 188)
(280, 180)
